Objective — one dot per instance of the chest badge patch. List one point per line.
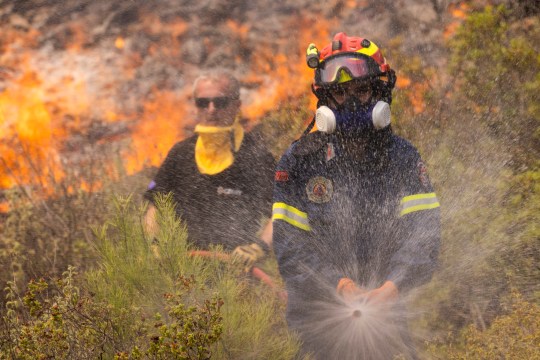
(319, 189)
(228, 192)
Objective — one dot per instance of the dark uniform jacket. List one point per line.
(371, 219)
(225, 208)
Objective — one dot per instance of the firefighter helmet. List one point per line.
(349, 58)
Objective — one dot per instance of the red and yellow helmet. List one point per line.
(349, 58)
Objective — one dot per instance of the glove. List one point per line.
(386, 294)
(348, 289)
(247, 254)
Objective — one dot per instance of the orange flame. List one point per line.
(458, 13)
(160, 127)
(285, 75)
(40, 112)
(78, 37)
(241, 30)
(416, 96)
(402, 82)
(119, 43)
(26, 122)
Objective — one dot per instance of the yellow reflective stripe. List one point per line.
(418, 197)
(291, 221)
(418, 208)
(291, 215)
(418, 202)
(290, 208)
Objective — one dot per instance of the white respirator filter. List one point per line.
(325, 119)
(381, 115)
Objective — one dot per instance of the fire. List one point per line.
(43, 108)
(91, 186)
(4, 207)
(402, 82)
(42, 113)
(241, 30)
(450, 30)
(283, 76)
(459, 13)
(77, 37)
(160, 127)
(28, 135)
(119, 42)
(416, 96)
(415, 93)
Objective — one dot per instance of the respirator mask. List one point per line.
(353, 118)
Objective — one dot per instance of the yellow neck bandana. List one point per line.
(215, 147)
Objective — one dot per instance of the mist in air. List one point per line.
(93, 95)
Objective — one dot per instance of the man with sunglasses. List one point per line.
(220, 178)
(355, 218)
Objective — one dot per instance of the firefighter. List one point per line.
(220, 178)
(355, 217)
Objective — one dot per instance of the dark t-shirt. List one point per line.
(225, 208)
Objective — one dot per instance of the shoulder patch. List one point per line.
(422, 173)
(281, 176)
(330, 151)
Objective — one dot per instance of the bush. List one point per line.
(200, 307)
(57, 321)
(135, 271)
(486, 183)
(512, 336)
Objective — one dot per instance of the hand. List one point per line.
(349, 290)
(247, 254)
(386, 294)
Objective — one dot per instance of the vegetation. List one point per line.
(42, 237)
(200, 307)
(488, 182)
(512, 336)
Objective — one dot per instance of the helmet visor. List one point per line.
(356, 65)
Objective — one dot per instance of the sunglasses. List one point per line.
(220, 102)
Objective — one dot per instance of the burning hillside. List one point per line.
(78, 74)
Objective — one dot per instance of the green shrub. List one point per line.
(58, 321)
(201, 307)
(135, 271)
(487, 184)
(512, 336)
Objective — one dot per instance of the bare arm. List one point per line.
(266, 234)
(150, 223)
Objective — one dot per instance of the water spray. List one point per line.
(329, 121)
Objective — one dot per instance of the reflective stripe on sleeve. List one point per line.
(290, 214)
(418, 202)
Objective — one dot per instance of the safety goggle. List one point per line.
(220, 102)
(356, 65)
